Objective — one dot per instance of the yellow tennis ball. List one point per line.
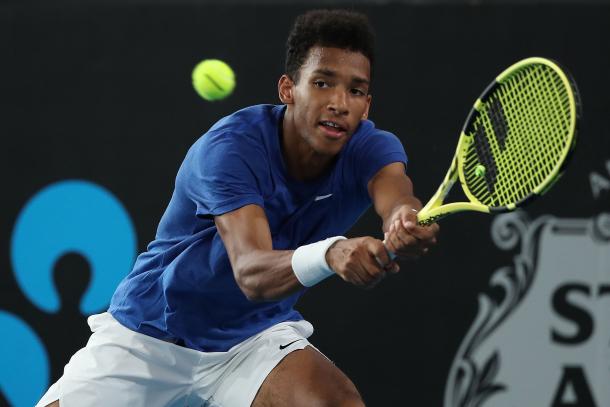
(213, 79)
(479, 170)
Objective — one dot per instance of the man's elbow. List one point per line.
(250, 286)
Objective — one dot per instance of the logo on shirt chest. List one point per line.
(320, 197)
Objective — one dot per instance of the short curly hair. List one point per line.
(343, 29)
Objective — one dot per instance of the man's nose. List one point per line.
(338, 102)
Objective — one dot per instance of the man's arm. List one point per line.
(392, 193)
(264, 274)
(261, 272)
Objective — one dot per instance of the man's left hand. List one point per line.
(405, 238)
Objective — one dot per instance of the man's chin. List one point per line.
(329, 148)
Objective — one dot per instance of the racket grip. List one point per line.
(391, 255)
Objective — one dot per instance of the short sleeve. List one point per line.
(224, 171)
(373, 151)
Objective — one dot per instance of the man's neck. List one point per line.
(303, 163)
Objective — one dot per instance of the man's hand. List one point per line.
(392, 193)
(405, 238)
(363, 261)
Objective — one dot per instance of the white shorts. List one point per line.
(120, 367)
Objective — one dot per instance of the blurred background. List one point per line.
(97, 111)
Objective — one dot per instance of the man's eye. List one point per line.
(358, 92)
(320, 84)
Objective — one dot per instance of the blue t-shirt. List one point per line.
(182, 288)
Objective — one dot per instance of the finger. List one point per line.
(409, 246)
(379, 252)
(394, 244)
(388, 242)
(423, 233)
(402, 249)
(393, 268)
(363, 275)
(354, 277)
(409, 216)
(392, 227)
(372, 269)
(375, 278)
(349, 272)
(390, 253)
(373, 283)
(404, 238)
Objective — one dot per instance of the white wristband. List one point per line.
(309, 261)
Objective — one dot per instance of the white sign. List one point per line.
(542, 335)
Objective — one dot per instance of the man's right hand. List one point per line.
(362, 261)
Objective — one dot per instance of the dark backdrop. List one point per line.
(103, 93)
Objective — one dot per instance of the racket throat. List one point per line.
(435, 209)
(427, 214)
(434, 214)
(437, 200)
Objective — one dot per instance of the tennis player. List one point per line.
(261, 200)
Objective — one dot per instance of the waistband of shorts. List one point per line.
(301, 328)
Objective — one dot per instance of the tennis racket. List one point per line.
(515, 142)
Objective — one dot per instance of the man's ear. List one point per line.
(285, 89)
(365, 115)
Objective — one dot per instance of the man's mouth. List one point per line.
(332, 129)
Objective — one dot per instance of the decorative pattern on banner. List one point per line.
(542, 334)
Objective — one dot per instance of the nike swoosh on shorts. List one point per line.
(287, 345)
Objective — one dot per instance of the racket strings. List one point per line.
(531, 175)
(539, 121)
(551, 123)
(519, 136)
(498, 122)
(485, 156)
(526, 179)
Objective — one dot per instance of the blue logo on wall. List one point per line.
(71, 216)
(24, 371)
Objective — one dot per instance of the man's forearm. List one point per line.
(266, 275)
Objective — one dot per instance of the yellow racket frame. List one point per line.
(436, 209)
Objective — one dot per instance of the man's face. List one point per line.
(331, 97)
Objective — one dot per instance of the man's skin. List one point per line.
(332, 85)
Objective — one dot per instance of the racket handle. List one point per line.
(391, 255)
